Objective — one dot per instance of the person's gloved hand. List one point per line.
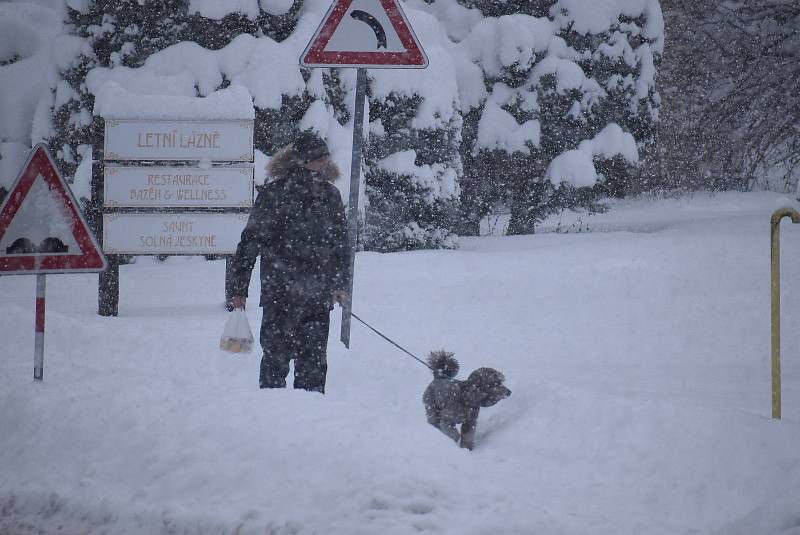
(340, 296)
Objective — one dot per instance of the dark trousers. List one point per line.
(294, 333)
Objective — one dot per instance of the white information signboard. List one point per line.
(178, 187)
(172, 234)
(130, 139)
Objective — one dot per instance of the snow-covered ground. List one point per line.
(638, 357)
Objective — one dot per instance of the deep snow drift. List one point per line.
(638, 354)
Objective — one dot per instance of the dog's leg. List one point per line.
(450, 430)
(467, 437)
(468, 429)
(439, 423)
(433, 419)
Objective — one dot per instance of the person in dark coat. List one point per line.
(298, 227)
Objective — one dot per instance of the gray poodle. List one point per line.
(449, 402)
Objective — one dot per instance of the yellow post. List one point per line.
(775, 227)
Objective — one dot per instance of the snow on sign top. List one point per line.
(364, 33)
(41, 228)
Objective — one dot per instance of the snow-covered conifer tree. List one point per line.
(120, 36)
(412, 161)
(553, 84)
(619, 47)
(411, 179)
(105, 33)
(503, 127)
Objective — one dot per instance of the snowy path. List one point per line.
(639, 363)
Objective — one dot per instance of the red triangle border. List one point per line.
(91, 258)
(316, 56)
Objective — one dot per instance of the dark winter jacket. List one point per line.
(298, 226)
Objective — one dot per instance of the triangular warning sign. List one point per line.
(364, 33)
(41, 228)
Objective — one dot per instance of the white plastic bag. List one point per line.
(237, 336)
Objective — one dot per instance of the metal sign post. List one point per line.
(42, 231)
(352, 207)
(775, 235)
(38, 344)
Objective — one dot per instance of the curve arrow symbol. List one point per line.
(380, 33)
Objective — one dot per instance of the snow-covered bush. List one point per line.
(551, 76)
(619, 45)
(412, 160)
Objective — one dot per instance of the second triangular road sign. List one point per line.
(41, 228)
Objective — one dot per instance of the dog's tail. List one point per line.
(443, 364)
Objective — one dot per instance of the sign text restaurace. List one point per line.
(171, 140)
(156, 194)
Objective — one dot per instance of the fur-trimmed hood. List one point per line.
(284, 164)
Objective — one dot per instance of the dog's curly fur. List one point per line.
(450, 402)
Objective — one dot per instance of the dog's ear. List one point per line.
(494, 395)
(489, 382)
